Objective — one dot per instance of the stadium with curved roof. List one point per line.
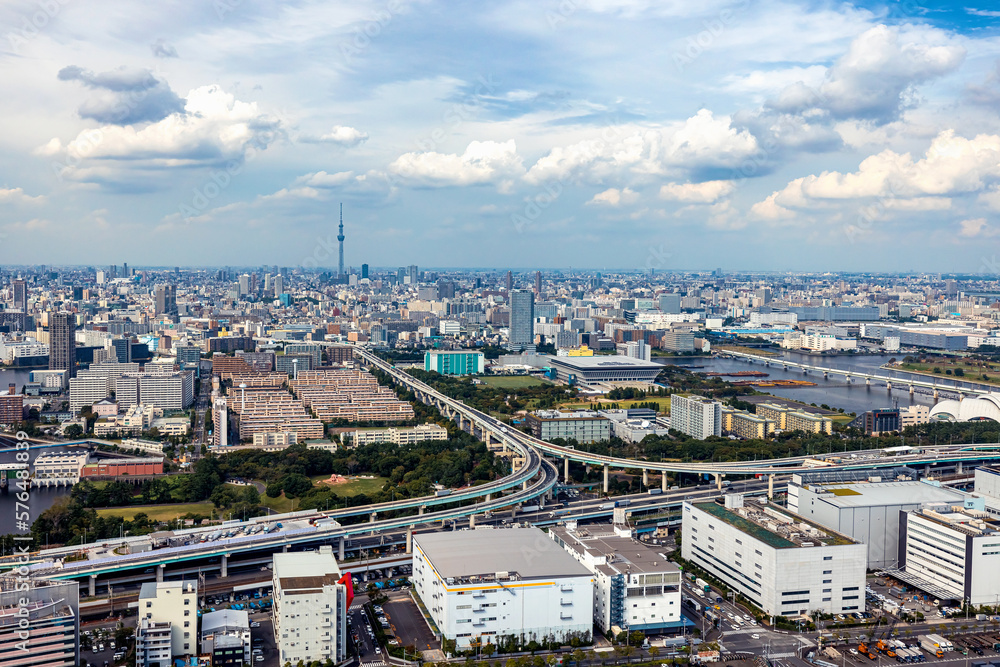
(982, 407)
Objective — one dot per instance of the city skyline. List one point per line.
(614, 134)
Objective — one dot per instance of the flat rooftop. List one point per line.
(623, 554)
(527, 552)
(775, 526)
(606, 362)
(305, 571)
(874, 494)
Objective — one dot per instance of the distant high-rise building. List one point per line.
(244, 284)
(670, 303)
(764, 295)
(522, 319)
(166, 300)
(62, 343)
(538, 282)
(446, 289)
(364, 271)
(21, 295)
(101, 277)
(508, 282)
(413, 274)
(122, 348)
(279, 285)
(125, 273)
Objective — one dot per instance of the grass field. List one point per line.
(746, 350)
(159, 512)
(662, 401)
(986, 372)
(510, 381)
(354, 487)
(280, 504)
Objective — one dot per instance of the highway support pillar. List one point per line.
(340, 548)
(935, 393)
(958, 468)
(888, 385)
(225, 566)
(566, 470)
(420, 510)
(524, 485)
(159, 573)
(645, 478)
(663, 481)
(472, 521)
(868, 382)
(93, 585)
(409, 540)
(911, 389)
(606, 478)
(489, 497)
(718, 481)
(770, 486)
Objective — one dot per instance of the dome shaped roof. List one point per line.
(982, 407)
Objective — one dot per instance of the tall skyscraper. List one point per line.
(21, 295)
(413, 274)
(340, 239)
(522, 319)
(62, 343)
(364, 271)
(122, 348)
(244, 284)
(538, 282)
(166, 300)
(279, 285)
(508, 282)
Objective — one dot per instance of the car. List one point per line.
(735, 627)
(255, 624)
(100, 648)
(854, 651)
(378, 650)
(258, 658)
(755, 636)
(748, 617)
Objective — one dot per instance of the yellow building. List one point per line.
(582, 351)
(803, 421)
(746, 425)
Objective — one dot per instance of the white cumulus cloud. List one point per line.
(697, 193)
(482, 162)
(615, 197)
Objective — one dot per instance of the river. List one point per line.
(18, 376)
(835, 391)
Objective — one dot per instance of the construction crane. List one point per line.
(866, 646)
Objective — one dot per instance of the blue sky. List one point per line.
(629, 134)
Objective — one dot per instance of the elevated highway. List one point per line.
(490, 428)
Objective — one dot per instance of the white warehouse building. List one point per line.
(635, 586)
(494, 585)
(781, 562)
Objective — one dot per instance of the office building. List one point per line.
(455, 363)
(584, 426)
(635, 586)
(62, 343)
(44, 617)
(483, 585)
(20, 289)
(225, 635)
(364, 272)
(311, 599)
(883, 420)
(508, 282)
(677, 340)
(174, 603)
(166, 300)
(696, 416)
(783, 563)
(220, 422)
(121, 350)
(632, 425)
(866, 510)
(670, 303)
(522, 319)
(398, 435)
(950, 551)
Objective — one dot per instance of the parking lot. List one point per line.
(407, 624)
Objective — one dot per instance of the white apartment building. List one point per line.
(696, 416)
(310, 607)
(151, 446)
(153, 645)
(782, 563)
(952, 551)
(399, 435)
(86, 388)
(11, 351)
(170, 392)
(273, 442)
(482, 585)
(635, 586)
(173, 602)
